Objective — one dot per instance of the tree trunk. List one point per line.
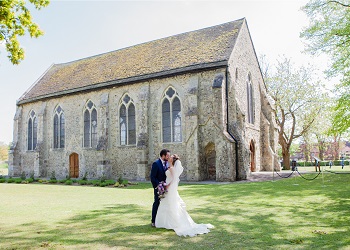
(321, 148)
(286, 158)
(336, 148)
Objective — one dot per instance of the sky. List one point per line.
(82, 28)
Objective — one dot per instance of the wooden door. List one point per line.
(252, 157)
(74, 165)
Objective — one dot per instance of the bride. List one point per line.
(172, 212)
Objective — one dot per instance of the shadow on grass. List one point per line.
(287, 214)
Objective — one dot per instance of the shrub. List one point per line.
(103, 184)
(11, 180)
(23, 175)
(18, 180)
(120, 179)
(2, 180)
(52, 181)
(32, 175)
(110, 182)
(29, 180)
(103, 178)
(82, 182)
(53, 175)
(68, 182)
(84, 177)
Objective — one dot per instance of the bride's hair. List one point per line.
(175, 158)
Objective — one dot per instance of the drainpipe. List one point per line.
(227, 121)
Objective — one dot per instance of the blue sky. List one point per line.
(79, 29)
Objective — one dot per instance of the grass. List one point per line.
(284, 214)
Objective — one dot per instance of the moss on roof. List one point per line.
(200, 47)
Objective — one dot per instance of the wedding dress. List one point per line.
(172, 212)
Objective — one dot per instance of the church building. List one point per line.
(199, 94)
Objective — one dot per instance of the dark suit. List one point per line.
(157, 175)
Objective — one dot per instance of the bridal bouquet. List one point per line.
(161, 190)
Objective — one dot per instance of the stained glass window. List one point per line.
(171, 117)
(58, 128)
(127, 121)
(32, 131)
(90, 125)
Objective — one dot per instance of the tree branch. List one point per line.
(337, 2)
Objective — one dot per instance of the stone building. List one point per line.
(200, 94)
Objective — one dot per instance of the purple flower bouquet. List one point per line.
(161, 190)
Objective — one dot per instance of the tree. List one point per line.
(3, 151)
(329, 33)
(15, 21)
(298, 100)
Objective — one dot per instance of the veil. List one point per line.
(174, 179)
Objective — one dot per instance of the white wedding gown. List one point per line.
(172, 212)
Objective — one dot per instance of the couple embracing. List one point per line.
(170, 211)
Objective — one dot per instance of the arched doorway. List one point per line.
(252, 157)
(210, 160)
(74, 165)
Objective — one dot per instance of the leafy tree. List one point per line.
(329, 32)
(298, 100)
(3, 151)
(15, 21)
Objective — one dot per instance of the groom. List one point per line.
(158, 175)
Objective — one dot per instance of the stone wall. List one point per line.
(208, 122)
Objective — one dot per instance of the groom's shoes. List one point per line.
(153, 225)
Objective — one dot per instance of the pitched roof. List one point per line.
(193, 50)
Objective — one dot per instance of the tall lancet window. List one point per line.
(32, 130)
(90, 125)
(127, 121)
(171, 116)
(58, 128)
(250, 101)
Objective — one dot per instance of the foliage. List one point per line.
(329, 33)
(298, 100)
(286, 214)
(85, 176)
(15, 21)
(3, 152)
(53, 175)
(68, 182)
(23, 175)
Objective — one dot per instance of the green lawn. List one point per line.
(284, 214)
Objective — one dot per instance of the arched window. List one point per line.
(90, 125)
(32, 130)
(250, 101)
(58, 128)
(171, 116)
(127, 121)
